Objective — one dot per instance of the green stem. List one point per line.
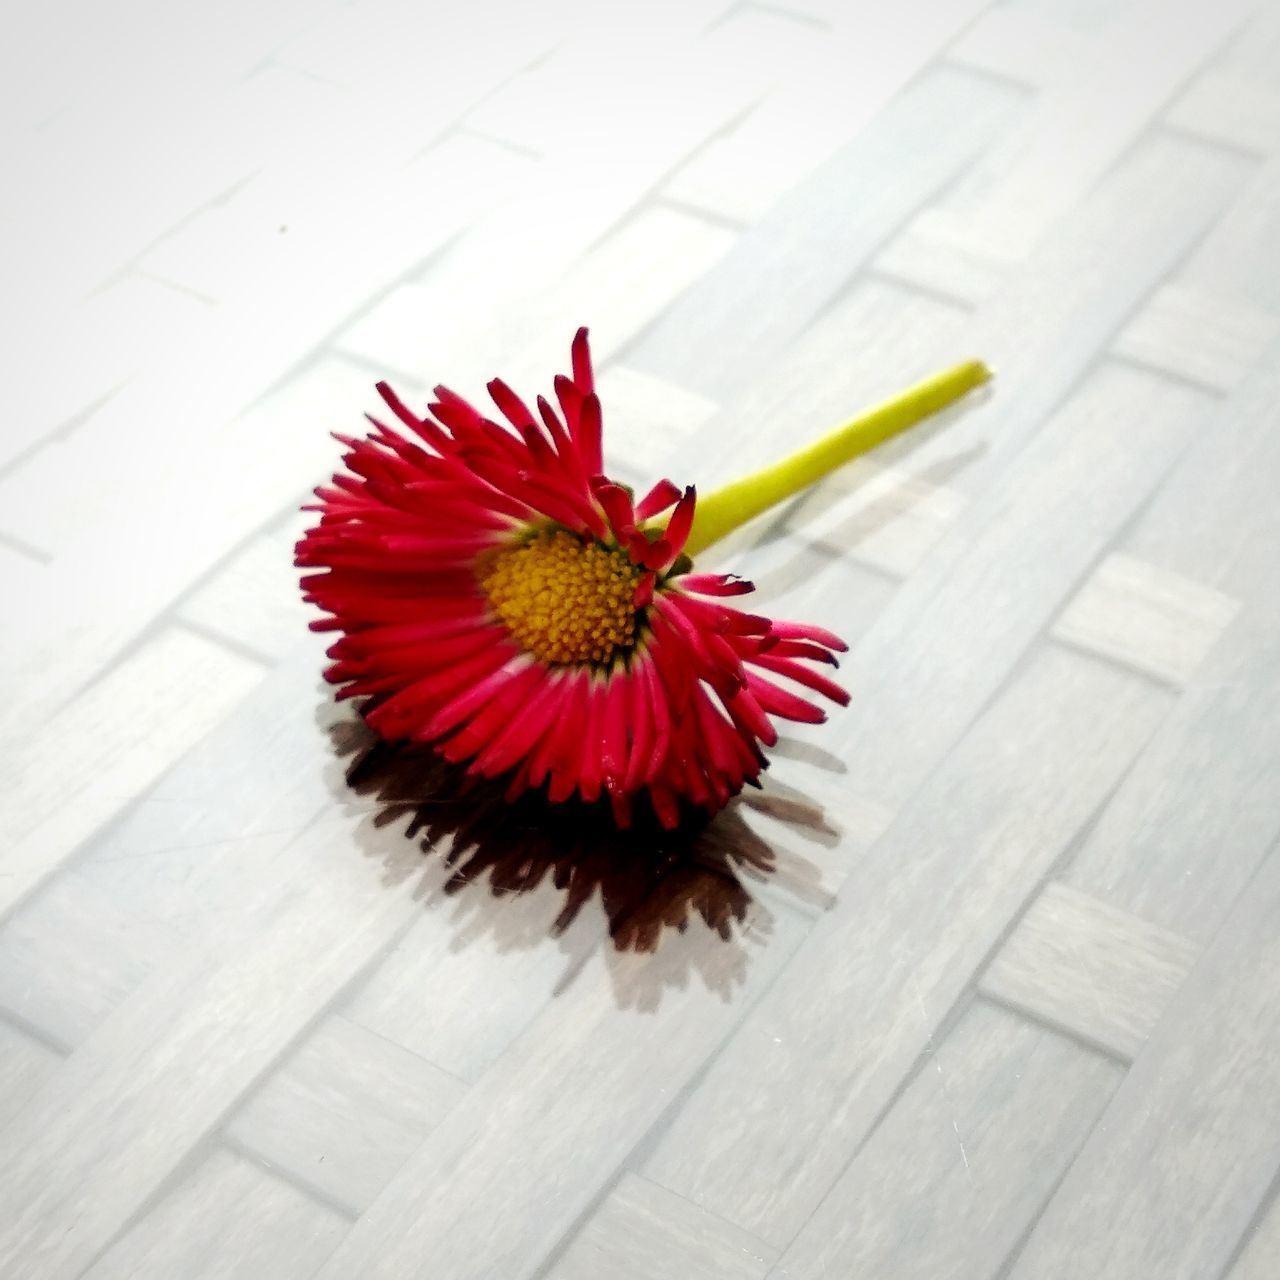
(721, 512)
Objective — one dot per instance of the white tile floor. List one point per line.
(1004, 1002)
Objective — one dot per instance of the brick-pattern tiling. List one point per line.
(1007, 1004)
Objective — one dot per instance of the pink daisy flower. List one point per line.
(500, 598)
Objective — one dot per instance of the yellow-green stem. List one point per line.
(721, 512)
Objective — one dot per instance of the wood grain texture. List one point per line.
(830, 93)
(642, 1232)
(1192, 1133)
(1261, 1255)
(1002, 571)
(227, 1218)
(818, 237)
(1021, 186)
(25, 1064)
(961, 1166)
(1212, 522)
(617, 286)
(1199, 336)
(1194, 819)
(803, 1081)
(72, 954)
(251, 599)
(157, 1076)
(553, 1098)
(92, 758)
(1094, 972)
(423, 994)
(344, 1112)
(1154, 621)
(250, 1027)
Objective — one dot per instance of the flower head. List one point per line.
(502, 599)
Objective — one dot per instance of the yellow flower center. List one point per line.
(564, 600)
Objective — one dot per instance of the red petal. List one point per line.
(590, 434)
(803, 631)
(681, 522)
(616, 503)
(777, 701)
(664, 494)
(525, 731)
(510, 405)
(581, 355)
(716, 584)
(803, 675)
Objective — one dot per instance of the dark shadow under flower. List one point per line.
(648, 877)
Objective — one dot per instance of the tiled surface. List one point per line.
(993, 992)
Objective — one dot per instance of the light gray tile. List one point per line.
(1094, 971)
(228, 1220)
(1155, 621)
(344, 1112)
(802, 1082)
(1179, 1164)
(1191, 823)
(72, 954)
(25, 1064)
(554, 1098)
(783, 271)
(642, 1232)
(949, 637)
(103, 749)
(961, 1166)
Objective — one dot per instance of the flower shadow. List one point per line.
(699, 882)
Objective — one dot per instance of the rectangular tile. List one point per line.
(71, 954)
(799, 1086)
(961, 1165)
(205, 841)
(874, 340)
(880, 515)
(111, 1126)
(633, 1026)
(226, 1218)
(1229, 109)
(179, 514)
(615, 288)
(104, 748)
(1237, 99)
(1189, 826)
(253, 598)
(1216, 320)
(1090, 969)
(1057, 312)
(426, 995)
(641, 1232)
(1017, 42)
(629, 63)
(1226, 265)
(1199, 336)
(1215, 520)
(828, 93)
(1174, 1173)
(718, 336)
(1080, 126)
(1154, 621)
(25, 1064)
(344, 1112)
(104, 341)
(947, 640)
(1260, 1259)
(512, 258)
(648, 422)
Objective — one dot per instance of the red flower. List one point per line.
(502, 599)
